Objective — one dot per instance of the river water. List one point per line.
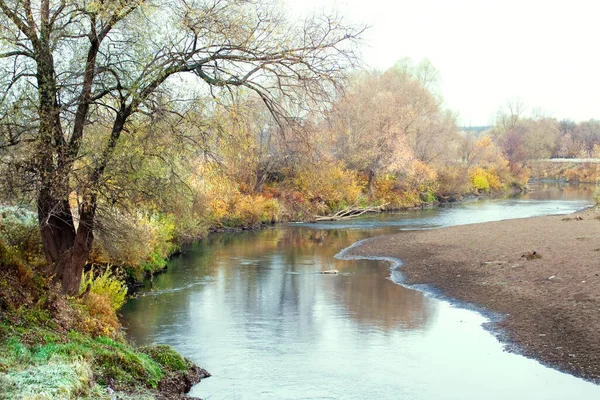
(252, 309)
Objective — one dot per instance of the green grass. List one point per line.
(55, 367)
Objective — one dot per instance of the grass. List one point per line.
(37, 363)
(52, 347)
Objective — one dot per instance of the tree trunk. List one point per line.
(261, 175)
(54, 212)
(371, 178)
(56, 226)
(70, 264)
(73, 261)
(66, 251)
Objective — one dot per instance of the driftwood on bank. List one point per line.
(350, 212)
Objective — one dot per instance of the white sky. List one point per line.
(545, 53)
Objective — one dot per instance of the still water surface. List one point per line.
(252, 309)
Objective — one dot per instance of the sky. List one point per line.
(545, 54)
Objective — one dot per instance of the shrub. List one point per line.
(453, 180)
(395, 194)
(422, 177)
(20, 230)
(107, 294)
(584, 173)
(98, 317)
(250, 211)
(106, 285)
(479, 179)
(140, 240)
(329, 184)
(484, 180)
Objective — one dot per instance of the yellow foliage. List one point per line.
(251, 210)
(102, 319)
(485, 179)
(386, 190)
(106, 285)
(484, 142)
(218, 209)
(328, 183)
(589, 173)
(230, 207)
(384, 186)
(422, 177)
(141, 240)
(453, 180)
(494, 180)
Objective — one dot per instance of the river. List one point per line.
(253, 310)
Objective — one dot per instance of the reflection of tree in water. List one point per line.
(553, 191)
(367, 294)
(262, 278)
(374, 300)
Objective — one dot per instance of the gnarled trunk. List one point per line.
(71, 263)
(56, 226)
(67, 250)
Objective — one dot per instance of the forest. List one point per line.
(131, 128)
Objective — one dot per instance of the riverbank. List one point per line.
(57, 347)
(542, 274)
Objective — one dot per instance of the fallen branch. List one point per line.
(350, 212)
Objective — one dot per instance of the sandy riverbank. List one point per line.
(551, 304)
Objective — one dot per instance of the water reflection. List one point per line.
(252, 308)
(275, 273)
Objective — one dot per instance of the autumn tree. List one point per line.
(524, 137)
(78, 74)
(386, 119)
(365, 131)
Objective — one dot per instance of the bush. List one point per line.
(19, 229)
(106, 294)
(396, 195)
(328, 185)
(106, 285)
(250, 211)
(422, 177)
(453, 180)
(484, 180)
(479, 180)
(139, 240)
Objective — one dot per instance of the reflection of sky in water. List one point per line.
(252, 309)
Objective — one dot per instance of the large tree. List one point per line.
(386, 120)
(75, 69)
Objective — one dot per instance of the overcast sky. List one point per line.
(545, 53)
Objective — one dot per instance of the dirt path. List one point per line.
(552, 303)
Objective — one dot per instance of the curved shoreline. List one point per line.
(398, 277)
(545, 308)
